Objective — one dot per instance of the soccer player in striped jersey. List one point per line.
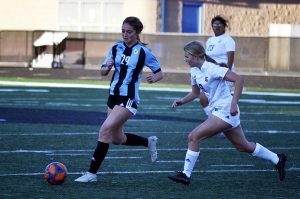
(211, 78)
(127, 57)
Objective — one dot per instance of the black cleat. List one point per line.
(280, 166)
(180, 177)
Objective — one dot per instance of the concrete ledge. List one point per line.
(14, 64)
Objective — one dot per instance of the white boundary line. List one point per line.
(134, 149)
(159, 133)
(69, 85)
(159, 171)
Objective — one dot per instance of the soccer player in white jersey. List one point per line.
(210, 78)
(220, 47)
(128, 57)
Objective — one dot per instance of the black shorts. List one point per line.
(124, 101)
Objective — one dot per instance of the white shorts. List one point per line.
(224, 114)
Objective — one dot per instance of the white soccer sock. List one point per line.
(189, 163)
(265, 153)
(207, 110)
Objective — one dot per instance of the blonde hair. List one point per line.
(195, 48)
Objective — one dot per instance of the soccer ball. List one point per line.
(55, 173)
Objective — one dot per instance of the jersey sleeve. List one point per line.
(217, 72)
(152, 62)
(229, 44)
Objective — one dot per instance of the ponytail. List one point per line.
(139, 40)
(209, 59)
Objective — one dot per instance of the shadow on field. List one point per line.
(23, 115)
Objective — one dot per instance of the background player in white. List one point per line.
(128, 57)
(211, 78)
(221, 48)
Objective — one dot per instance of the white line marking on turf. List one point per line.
(159, 171)
(24, 90)
(96, 133)
(83, 154)
(136, 149)
(170, 161)
(260, 101)
(232, 165)
(68, 85)
(55, 85)
(68, 154)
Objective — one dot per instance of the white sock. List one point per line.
(265, 153)
(189, 163)
(207, 110)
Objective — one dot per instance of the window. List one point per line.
(192, 17)
(90, 15)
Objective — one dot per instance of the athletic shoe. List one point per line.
(280, 166)
(152, 140)
(87, 177)
(180, 177)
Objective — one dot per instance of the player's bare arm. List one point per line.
(105, 69)
(230, 55)
(188, 98)
(152, 78)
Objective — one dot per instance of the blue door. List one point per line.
(191, 17)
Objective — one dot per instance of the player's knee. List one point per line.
(192, 138)
(105, 133)
(105, 130)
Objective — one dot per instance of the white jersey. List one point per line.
(218, 46)
(210, 79)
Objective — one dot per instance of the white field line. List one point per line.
(153, 120)
(159, 171)
(86, 154)
(133, 149)
(156, 133)
(256, 121)
(68, 85)
(233, 165)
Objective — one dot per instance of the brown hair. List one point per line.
(136, 24)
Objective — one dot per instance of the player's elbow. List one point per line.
(240, 80)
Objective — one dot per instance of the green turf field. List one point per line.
(39, 125)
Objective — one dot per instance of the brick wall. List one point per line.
(252, 19)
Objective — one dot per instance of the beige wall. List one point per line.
(43, 14)
(254, 19)
(28, 14)
(254, 54)
(247, 18)
(145, 10)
